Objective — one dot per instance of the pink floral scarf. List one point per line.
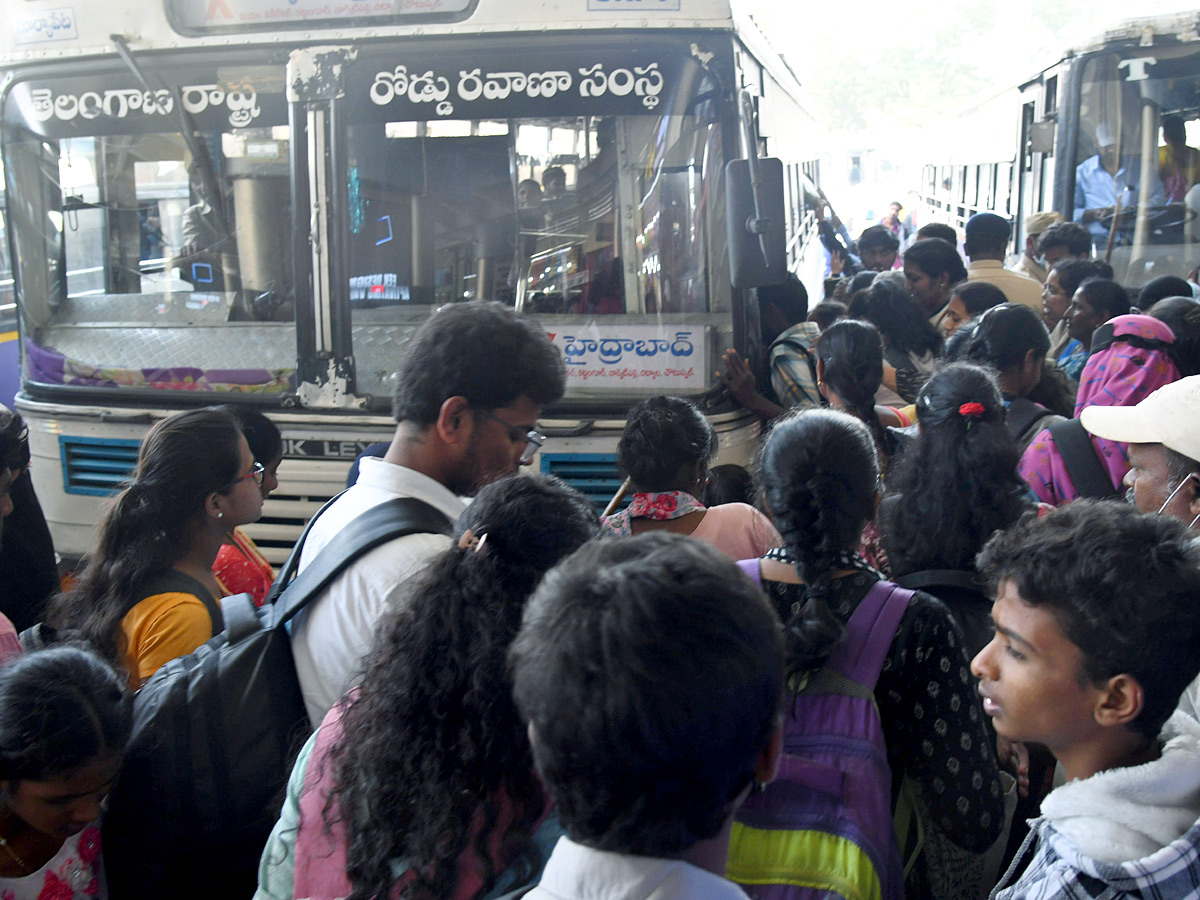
(660, 506)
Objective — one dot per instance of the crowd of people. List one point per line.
(926, 614)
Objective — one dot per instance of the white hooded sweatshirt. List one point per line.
(1126, 814)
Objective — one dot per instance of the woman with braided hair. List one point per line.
(849, 370)
(148, 594)
(420, 783)
(820, 474)
(664, 453)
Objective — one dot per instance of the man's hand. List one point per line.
(738, 379)
(1014, 757)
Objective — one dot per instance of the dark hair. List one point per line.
(150, 524)
(1074, 272)
(432, 742)
(261, 434)
(1072, 235)
(852, 356)
(483, 351)
(666, 440)
(977, 296)
(886, 306)
(1162, 287)
(957, 343)
(1122, 586)
(957, 483)
(827, 312)
(1182, 316)
(728, 484)
(1005, 334)
(1173, 129)
(790, 295)
(937, 231)
(820, 474)
(1105, 296)
(986, 233)
(60, 709)
(936, 257)
(14, 439)
(650, 669)
(878, 237)
(552, 172)
(860, 282)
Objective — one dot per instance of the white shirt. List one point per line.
(576, 872)
(1017, 288)
(331, 637)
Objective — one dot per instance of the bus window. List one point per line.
(1127, 192)
(141, 248)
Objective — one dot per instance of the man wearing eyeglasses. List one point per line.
(471, 385)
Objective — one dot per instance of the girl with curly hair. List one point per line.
(420, 782)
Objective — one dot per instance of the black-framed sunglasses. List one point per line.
(257, 472)
(533, 438)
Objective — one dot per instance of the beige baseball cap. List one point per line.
(1036, 223)
(1170, 416)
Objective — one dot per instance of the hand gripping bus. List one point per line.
(260, 200)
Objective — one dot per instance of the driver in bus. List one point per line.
(1103, 180)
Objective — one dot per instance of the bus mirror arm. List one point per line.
(755, 215)
(758, 224)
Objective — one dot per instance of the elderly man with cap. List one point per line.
(1164, 455)
(1163, 433)
(1106, 179)
(986, 245)
(1029, 264)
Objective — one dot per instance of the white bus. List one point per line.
(260, 200)
(1036, 146)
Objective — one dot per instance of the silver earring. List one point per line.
(220, 515)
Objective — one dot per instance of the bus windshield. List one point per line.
(1135, 194)
(155, 228)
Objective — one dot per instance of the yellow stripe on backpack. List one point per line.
(759, 856)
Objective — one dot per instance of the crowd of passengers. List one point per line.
(548, 703)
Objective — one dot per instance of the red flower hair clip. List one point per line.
(970, 411)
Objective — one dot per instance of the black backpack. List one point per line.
(215, 733)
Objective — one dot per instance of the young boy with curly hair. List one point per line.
(1097, 617)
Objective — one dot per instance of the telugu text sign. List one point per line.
(634, 357)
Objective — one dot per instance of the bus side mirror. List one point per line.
(757, 232)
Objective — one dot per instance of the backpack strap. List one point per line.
(387, 521)
(172, 581)
(1022, 413)
(959, 578)
(869, 633)
(288, 572)
(1079, 456)
(751, 567)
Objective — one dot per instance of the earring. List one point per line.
(220, 515)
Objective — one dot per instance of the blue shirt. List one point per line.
(1095, 188)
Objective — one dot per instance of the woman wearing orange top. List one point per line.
(239, 565)
(148, 594)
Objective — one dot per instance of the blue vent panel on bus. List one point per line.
(593, 474)
(96, 466)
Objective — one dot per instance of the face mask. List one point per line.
(1167, 502)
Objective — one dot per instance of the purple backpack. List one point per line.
(823, 828)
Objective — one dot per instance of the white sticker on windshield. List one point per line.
(45, 25)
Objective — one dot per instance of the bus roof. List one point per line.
(1180, 27)
(56, 29)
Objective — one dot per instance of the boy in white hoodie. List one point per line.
(1097, 617)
